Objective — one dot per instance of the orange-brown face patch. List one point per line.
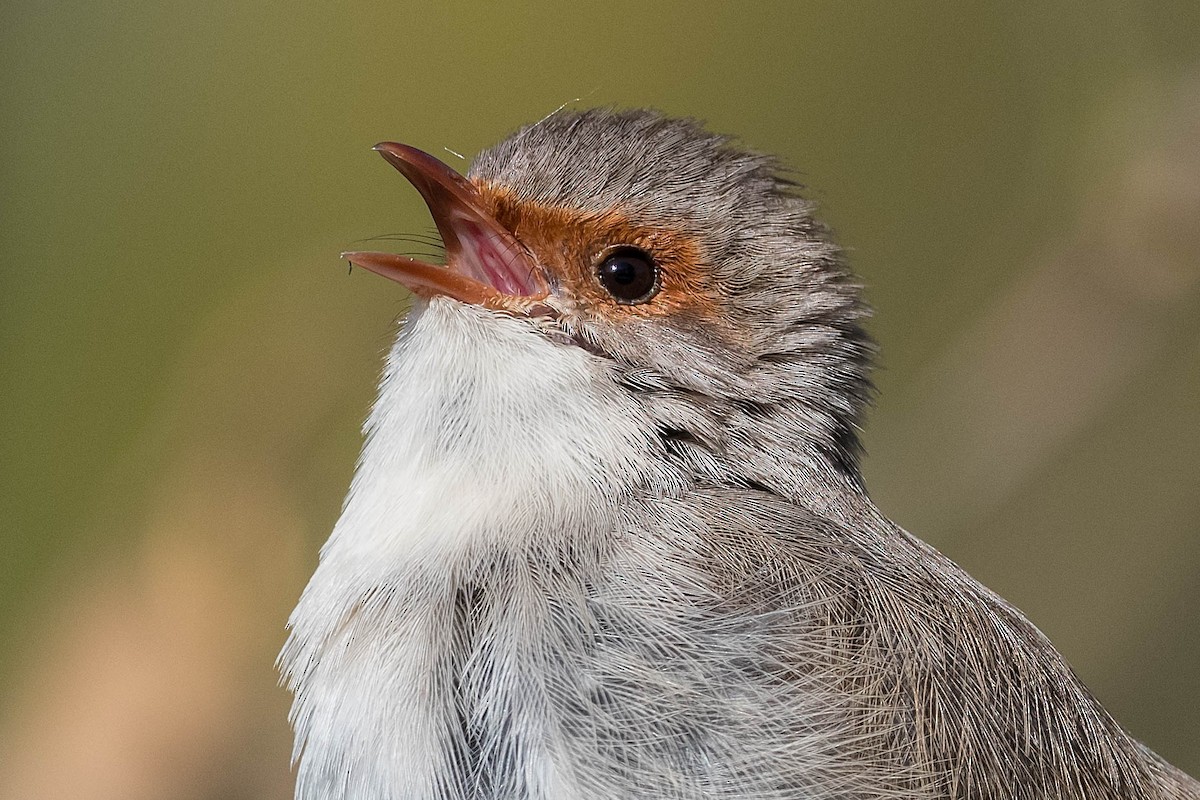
(569, 244)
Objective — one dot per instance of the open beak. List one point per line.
(485, 264)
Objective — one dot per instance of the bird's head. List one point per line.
(687, 268)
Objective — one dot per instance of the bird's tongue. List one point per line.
(485, 264)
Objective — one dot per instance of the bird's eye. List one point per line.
(629, 275)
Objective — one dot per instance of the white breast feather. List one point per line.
(484, 433)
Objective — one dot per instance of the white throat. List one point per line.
(485, 435)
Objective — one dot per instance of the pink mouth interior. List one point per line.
(488, 258)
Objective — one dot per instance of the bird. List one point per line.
(608, 536)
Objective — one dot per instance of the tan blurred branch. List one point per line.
(155, 678)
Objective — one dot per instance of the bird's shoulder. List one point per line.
(756, 531)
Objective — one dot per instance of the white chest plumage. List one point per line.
(485, 438)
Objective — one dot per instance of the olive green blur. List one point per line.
(185, 363)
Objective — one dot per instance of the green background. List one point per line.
(184, 363)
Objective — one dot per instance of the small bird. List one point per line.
(608, 536)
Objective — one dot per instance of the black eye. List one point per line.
(629, 275)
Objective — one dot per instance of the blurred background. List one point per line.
(184, 362)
